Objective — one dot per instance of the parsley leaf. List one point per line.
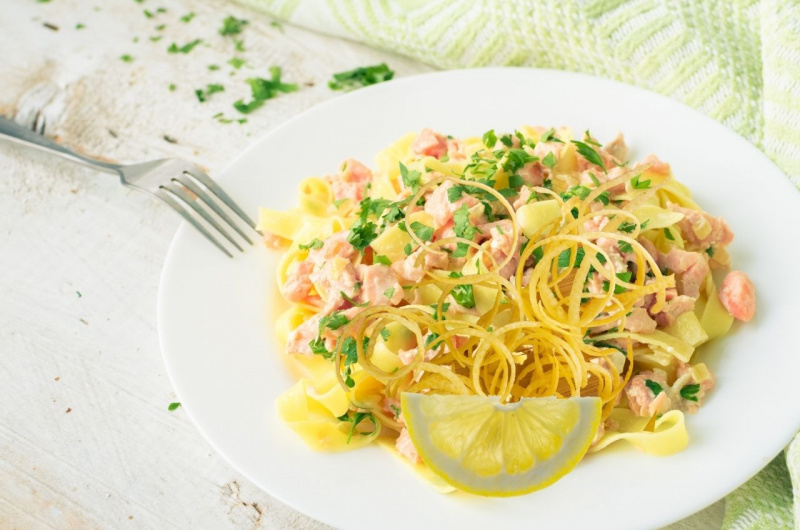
(566, 255)
(489, 139)
(187, 17)
(549, 160)
(186, 48)
(422, 231)
(463, 229)
(626, 247)
(587, 137)
(264, 89)
(411, 179)
(335, 320)
(550, 136)
(361, 234)
(668, 234)
(408, 249)
(385, 333)
(515, 181)
(516, 158)
(173, 406)
(639, 184)
(232, 26)
(454, 193)
(202, 95)
(380, 259)
(462, 294)
(653, 386)
(389, 293)
(689, 392)
(237, 62)
(618, 289)
(590, 154)
(396, 410)
(314, 244)
(317, 347)
(710, 252)
(627, 227)
(355, 420)
(360, 77)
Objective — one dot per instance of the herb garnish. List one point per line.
(639, 184)
(186, 48)
(653, 386)
(590, 154)
(360, 77)
(202, 95)
(314, 244)
(462, 294)
(689, 392)
(264, 89)
(232, 26)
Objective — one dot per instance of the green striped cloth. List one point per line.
(736, 60)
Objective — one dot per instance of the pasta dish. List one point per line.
(530, 267)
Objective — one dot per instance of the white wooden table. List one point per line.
(86, 440)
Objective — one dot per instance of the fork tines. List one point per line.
(206, 206)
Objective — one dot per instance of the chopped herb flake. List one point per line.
(653, 386)
(689, 392)
(590, 154)
(360, 77)
(232, 26)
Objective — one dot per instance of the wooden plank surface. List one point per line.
(85, 435)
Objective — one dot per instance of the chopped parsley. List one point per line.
(566, 255)
(626, 247)
(627, 227)
(396, 410)
(237, 62)
(489, 139)
(463, 294)
(350, 352)
(362, 233)
(79, 26)
(314, 244)
(173, 406)
(389, 293)
(587, 137)
(653, 386)
(126, 58)
(355, 420)
(353, 302)
(689, 392)
(276, 24)
(408, 249)
(588, 152)
(333, 321)
(232, 26)
(640, 184)
(668, 234)
(172, 87)
(383, 260)
(186, 48)
(463, 229)
(550, 136)
(422, 231)
(360, 77)
(264, 89)
(317, 347)
(202, 95)
(454, 193)
(549, 160)
(516, 158)
(411, 179)
(515, 181)
(385, 333)
(445, 307)
(187, 17)
(213, 67)
(618, 289)
(710, 252)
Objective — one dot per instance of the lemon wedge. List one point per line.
(481, 446)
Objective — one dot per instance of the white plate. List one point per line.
(216, 322)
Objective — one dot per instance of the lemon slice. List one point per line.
(483, 447)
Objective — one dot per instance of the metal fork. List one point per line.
(180, 184)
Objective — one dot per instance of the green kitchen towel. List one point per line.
(736, 60)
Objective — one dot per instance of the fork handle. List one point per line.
(16, 133)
